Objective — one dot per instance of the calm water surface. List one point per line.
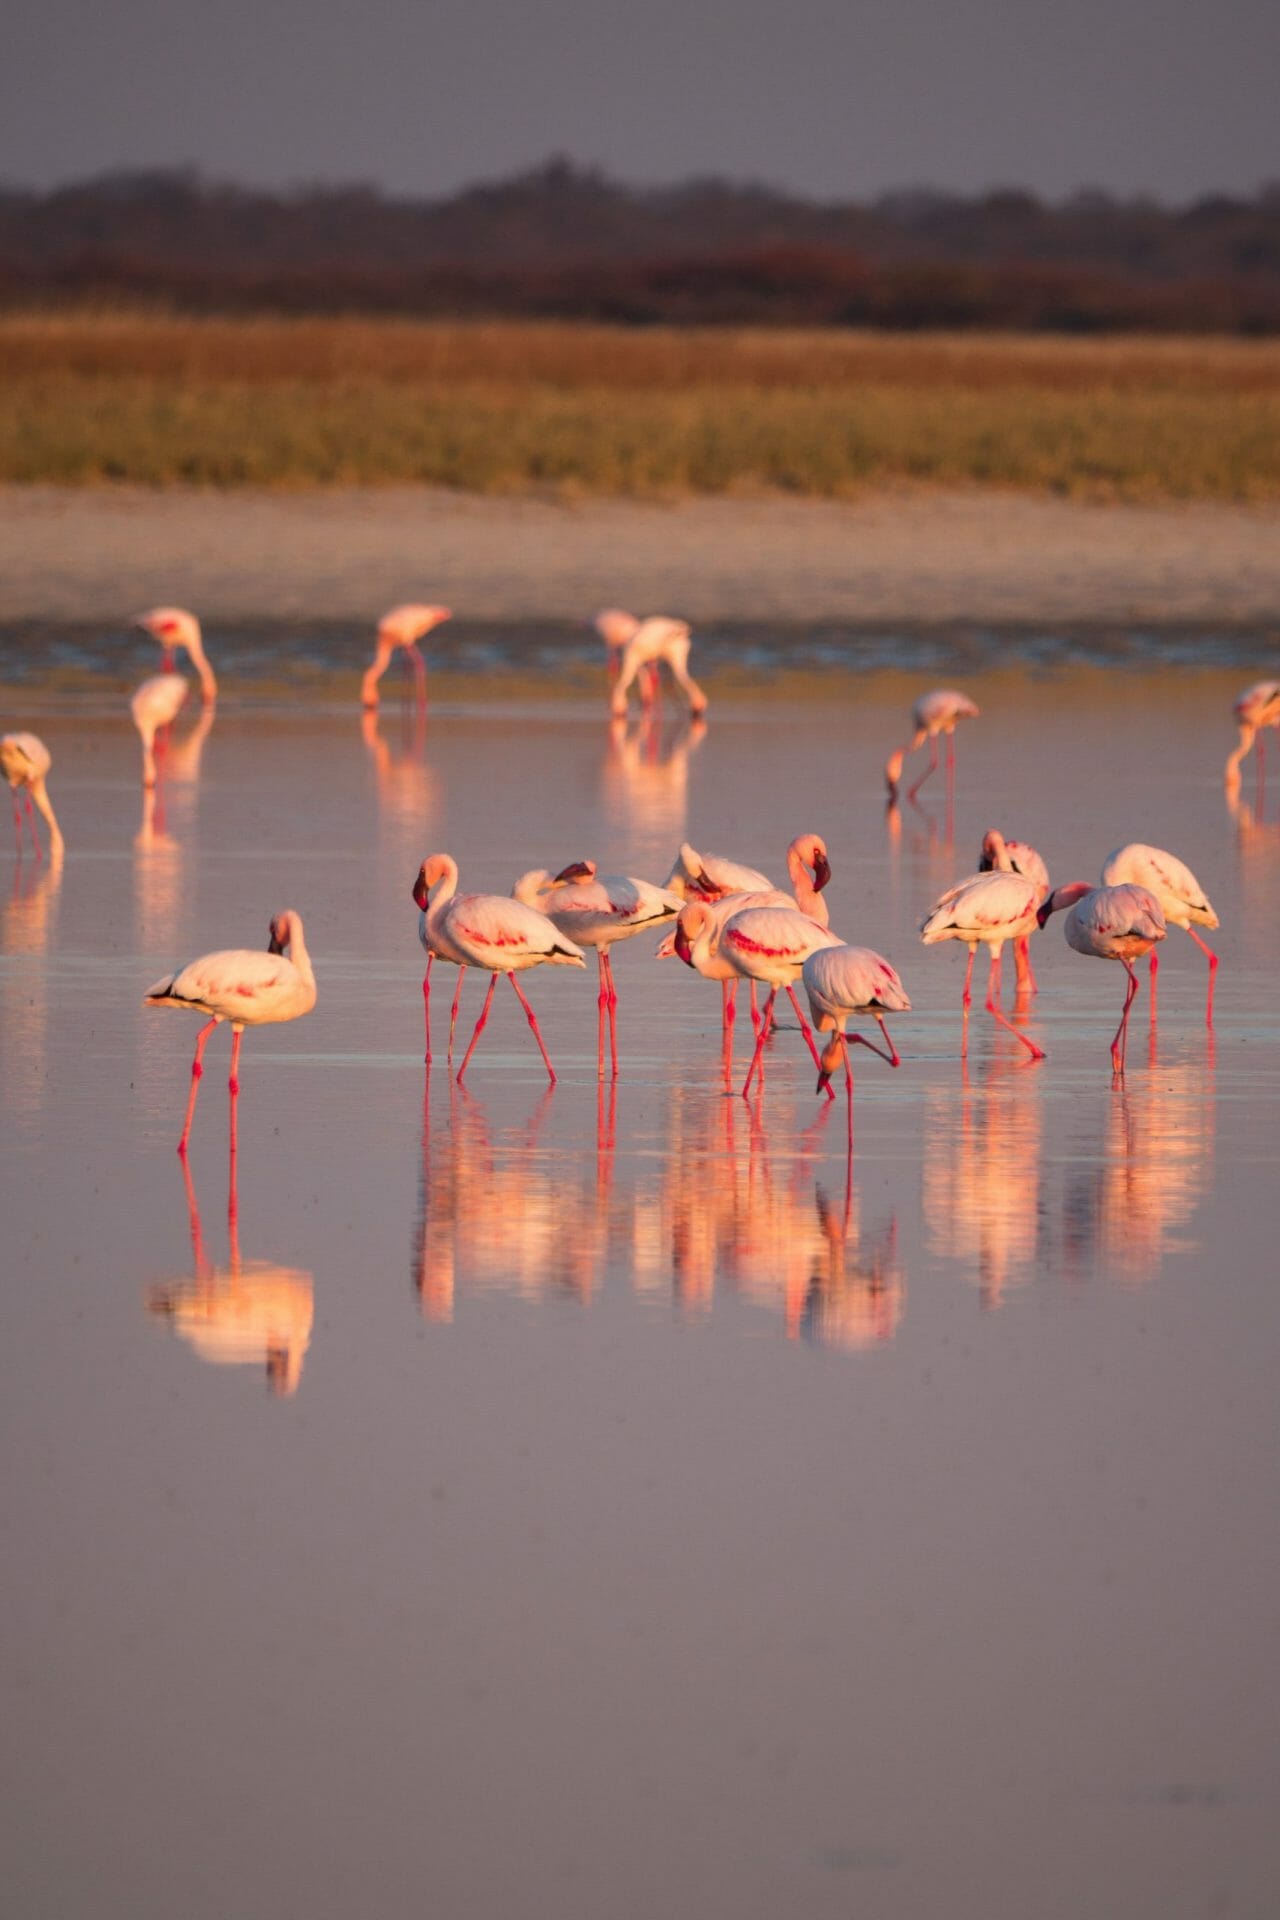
(623, 1501)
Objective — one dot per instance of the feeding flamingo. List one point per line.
(1111, 923)
(175, 627)
(616, 627)
(247, 987)
(1182, 899)
(25, 762)
(1015, 856)
(844, 980)
(985, 910)
(595, 911)
(402, 627)
(769, 944)
(647, 643)
(933, 713)
(491, 931)
(155, 705)
(1257, 708)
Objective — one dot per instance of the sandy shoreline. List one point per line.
(68, 554)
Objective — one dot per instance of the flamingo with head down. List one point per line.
(641, 646)
(933, 714)
(1257, 708)
(25, 762)
(768, 944)
(1110, 923)
(1182, 899)
(985, 910)
(175, 627)
(402, 627)
(155, 705)
(840, 981)
(1015, 856)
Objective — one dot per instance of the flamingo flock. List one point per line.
(725, 920)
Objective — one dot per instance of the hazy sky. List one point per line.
(833, 97)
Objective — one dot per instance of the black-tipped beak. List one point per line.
(1042, 914)
(824, 1081)
(580, 870)
(821, 872)
(275, 944)
(680, 940)
(420, 893)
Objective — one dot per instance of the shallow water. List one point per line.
(598, 1501)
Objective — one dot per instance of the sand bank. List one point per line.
(68, 554)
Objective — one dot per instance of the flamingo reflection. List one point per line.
(645, 781)
(408, 791)
(981, 1177)
(28, 927)
(248, 1313)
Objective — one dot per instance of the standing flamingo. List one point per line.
(1015, 856)
(933, 713)
(595, 911)
(494, 932)
(175, 627)
(25, 762)
(770, 944)
(247, 987)
(651, 640)
(1182, 898)
(438, 946)
(1111, 923)
(402, 627)
(698, 876)
(844, 980)
(155, 704)
(985, 910)
(1258, 707)
(615, 628)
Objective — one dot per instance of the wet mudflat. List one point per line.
(623, 1500)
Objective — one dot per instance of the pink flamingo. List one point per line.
(647, 643)
(933, 713)
(156, 704)
(25, 762)
(247, 987)
(496, 933)
(1015, 856)
(1111, 923)
(597, 911)
(769, 944)
(709, 876)
(438, 946)
(844, 980)
(1182, 899)
(615, 628)
(985, 910)
(175, 627)
(402, 627)
(1257, 708)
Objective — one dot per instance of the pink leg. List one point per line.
(931, 768)
(1025, 977)
(993, 1008)
(1121, 1041)
(419, 676)
(1213, 969)
(613, 1013)
(166, 660)
(1155, 968)
(892, 1057)
(17, 820)
(533, 1022)
(761, 1031)
(31, 823)
(966, 1002)
(202, 1040)
(807, 1031)
(728, 1014)
(480, 1026)
(453, 1011)
(233, 1088)
(602, 1013)
(426, 1007)
(755, 1009)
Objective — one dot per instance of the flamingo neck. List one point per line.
(1066, 896)
(297, 946)
(40, 798)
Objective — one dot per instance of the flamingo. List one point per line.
(1182, 898)
(651, 640)
(175, 627)
(247, 987)
(1258, 707)
(438, 946)
(496, 933)
(596, 911)
(844, 980)
(1111, 923)
(758, 943)
(985, 910)
(697, 876)
(25, 762)
(933, 713)
(615, 628)
(402, 627)
(1015, 856)
(155, 705)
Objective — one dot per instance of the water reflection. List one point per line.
(30, 924)
(981, 1175)
(248, 1313)
(408, 790)
(180, 764)
(157, 874)
(727, 1209)
(645, 779)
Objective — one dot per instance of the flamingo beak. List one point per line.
(420, 893)
(821, 872)
(580, 870)
(824, 1081)
(275, 944)
(1042, 913)
(680, 940)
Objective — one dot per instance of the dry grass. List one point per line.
(501, 407)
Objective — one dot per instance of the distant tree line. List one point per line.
(565, 242)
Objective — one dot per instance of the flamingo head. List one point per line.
(893, 772)
(1061, 897)
(578, 870)
(693, 918)
(172, 627)
(814, 854)
(993, 853)
(433, 868)
(615, 627)
(281, 932)
(830, 1060)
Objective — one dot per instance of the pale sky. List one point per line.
(835, 98)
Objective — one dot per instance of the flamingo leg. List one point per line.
(233, 1088)
(755, 1009)
(761, 1031)
(419, 674)
(966, 1002)
(892, 1058)
(533, 1022)
(17, 820)
(1155, 968)
(931, 768)
(453, 1012)
(1213, 970)
(613, 1012)
(1121, 1041)
(31, 823)
(426, 1007)
(951, 771)
(1023, 973)
(602, 1015)
(197, 1070)
(807, 1031)
(480, 1026)
(997, 1013)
